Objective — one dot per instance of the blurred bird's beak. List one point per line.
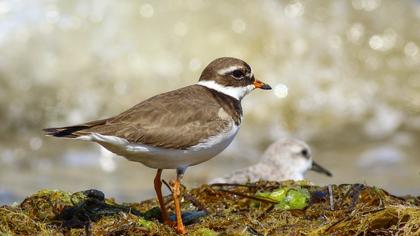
(261, 85)
(316, 167)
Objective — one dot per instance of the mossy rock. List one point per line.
(248, 209)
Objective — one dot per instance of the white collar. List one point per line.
(236, 92)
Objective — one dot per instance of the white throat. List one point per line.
(236, 92)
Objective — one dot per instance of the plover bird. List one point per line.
(285, 159)
(177, 129)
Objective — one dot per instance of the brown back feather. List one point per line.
(176, 119)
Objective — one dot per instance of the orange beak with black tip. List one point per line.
(261, 85)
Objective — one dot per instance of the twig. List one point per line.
(248, 196)
(253, 231)
(330, 192)
(351, 216)
(188, 197)
(266, 211)
(167, 185)
(195, 202)
(231, 184)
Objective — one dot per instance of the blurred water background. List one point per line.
(352, 69)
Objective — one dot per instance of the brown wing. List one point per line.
(177, 119)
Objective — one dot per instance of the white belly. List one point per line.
(163, 158)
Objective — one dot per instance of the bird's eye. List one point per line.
(305, 153)
(237, 74)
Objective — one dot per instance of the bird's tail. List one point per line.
(72, 131)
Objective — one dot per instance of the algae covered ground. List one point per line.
(261, 208)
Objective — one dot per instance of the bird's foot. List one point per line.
(181, 229)
(176, 192)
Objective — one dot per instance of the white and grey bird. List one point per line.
(286, 159)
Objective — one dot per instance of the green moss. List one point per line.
(277, 195)
(294, 208)
(149, 225)
(204, 232)
(287, 198)
(48, 203)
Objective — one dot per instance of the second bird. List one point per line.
(286, 159)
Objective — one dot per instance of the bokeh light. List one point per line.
(346, 79)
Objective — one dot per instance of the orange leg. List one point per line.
(176, 192)
(158, 189)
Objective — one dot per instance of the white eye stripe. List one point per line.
(231, 69)
(228, 70)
